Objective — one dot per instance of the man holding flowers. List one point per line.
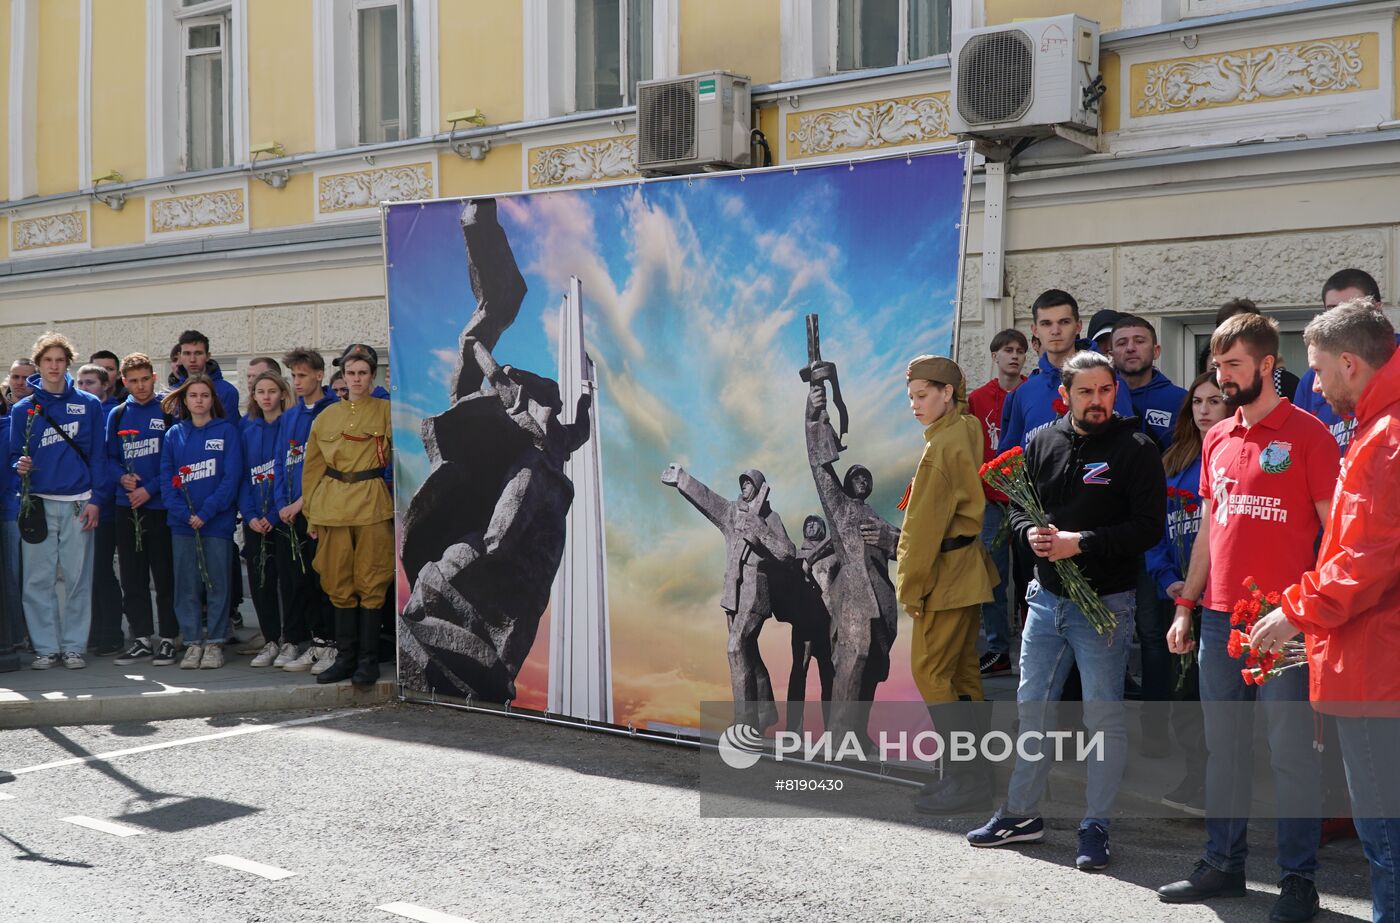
(1091, 500)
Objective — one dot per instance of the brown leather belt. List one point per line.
(350, 477)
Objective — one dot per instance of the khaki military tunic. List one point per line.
(347, 436)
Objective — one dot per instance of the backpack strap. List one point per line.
(58, 429)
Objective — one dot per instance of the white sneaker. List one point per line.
(303, 662)
(265, 656)
(324, 659)
(286, 655)
(73, 660)
(193, 654)
(213, 657)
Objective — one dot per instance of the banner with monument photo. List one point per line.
(651, 437)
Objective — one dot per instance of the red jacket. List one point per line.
(986, 404)
(1349, 606)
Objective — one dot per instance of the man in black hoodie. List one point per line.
(1101, 482)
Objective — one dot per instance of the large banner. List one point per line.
(650, 438)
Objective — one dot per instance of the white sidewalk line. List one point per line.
(253, 868)
(104, 826)
(5, 797)
(421, 914)
(236, 732)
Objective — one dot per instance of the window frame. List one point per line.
(623, 52)
(902, 52)
(189, 18)
(404, 69)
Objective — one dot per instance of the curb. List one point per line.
(109, 710)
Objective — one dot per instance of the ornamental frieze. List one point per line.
(48, 231)
(197, 211)
(343, 192)
(862, 126)
(584, 162)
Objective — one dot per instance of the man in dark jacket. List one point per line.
(1101, 482)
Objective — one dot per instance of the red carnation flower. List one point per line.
(1006, 471)
(177, 481)
(1191, 507)
(186, 469)
(1060, 407)
(1235, 646)
(1248, 677)
(33, 411)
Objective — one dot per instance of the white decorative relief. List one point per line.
(341, 192)
(49, 231)
(201, 210)
(877, 124)
(587, 162)
(1302, 69)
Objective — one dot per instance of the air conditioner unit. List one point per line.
(1026, 79)
(686, 124)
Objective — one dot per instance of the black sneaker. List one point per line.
(165, 653)
(1189, 797)
(140, 649)
(1297, 901)
(1204, 883)
(1093, 849)
(995, 663)
(107, 649)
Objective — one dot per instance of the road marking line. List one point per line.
(5, 797)
(253, 868)
(104, 826)
(422, 914)
(236, 732)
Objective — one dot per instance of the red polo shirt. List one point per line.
(1264, 482)
(986, 404)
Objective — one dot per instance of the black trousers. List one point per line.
(106, 626)
(152, 565)
(306, 609)
(263, 583)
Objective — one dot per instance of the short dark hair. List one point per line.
(273, 364)
(104, 354)
(94, 369)
(190, 337)
(1257, 332)
(1235, 306)
(337, 375)
(1358, 327)
(304, 355)
(1352, 278)
(1054, 298)
(1006, 337)
(1086, 360)
(137, 361)
(1132, 320)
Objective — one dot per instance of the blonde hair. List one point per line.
(47, 342)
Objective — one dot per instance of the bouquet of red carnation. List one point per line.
(26, 499)
(128, 436)
(1007, 473)
(1260, 668)
(264, 482)
(295, 450)
(1184, 504)
(178, 482)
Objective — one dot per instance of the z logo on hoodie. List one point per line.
(1094, 473)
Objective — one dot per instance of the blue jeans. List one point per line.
(193, 599)
(53, 631)
(1371, 751)
(1230, 763)
(11, 595)
(1057, 636)
(994, 623)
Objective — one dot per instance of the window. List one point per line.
(883, 33)
(613, 50)
(385, 71)
(204, 113)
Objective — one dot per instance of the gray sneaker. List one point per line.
(193, 654)
(43, 661)
(213, 657)
(73, 660)
(324, 658)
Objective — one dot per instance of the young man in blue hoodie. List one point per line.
(1343, 285)
(57, 449)
(106, 636)
(306, 604)
(140, 504)
(1155, 399)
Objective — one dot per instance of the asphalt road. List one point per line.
(492, 819)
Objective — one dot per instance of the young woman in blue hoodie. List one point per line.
(201, 466)
(1202, 408)
(257, 500)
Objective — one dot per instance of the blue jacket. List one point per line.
(144, 450)
(225, 392)
(1157, 403)
(1162, 562)
(215, 453)
(58, 470)
(295, 424)
(380, 392)
(1031, 407)
(260, 442)
(9, 479)
(1317, 405)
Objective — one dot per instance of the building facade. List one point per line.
(218, 163)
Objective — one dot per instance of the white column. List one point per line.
(580, 649)
(24, 83)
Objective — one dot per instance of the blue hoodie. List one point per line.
(9, 479)
(215, 453)
(1031, 407)
(1162, 558)
(1317, 405)
(260, 442)
(1157, 403)
(58, 470)
(143, 450)
(295, 424)
(225, 392)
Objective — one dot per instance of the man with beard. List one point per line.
(1267, 477)
(1103, 487)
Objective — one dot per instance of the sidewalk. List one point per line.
(104, 693)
